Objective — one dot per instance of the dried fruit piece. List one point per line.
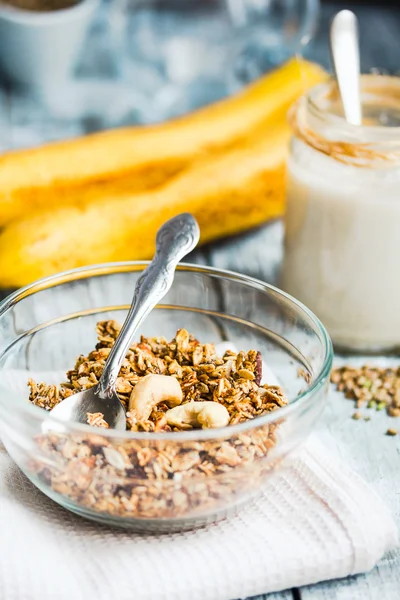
(258, 369)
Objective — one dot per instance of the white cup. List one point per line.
(40, 49)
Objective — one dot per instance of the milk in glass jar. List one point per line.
(342, 224)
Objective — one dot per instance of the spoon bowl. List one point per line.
(77, 407)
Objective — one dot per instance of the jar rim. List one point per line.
(371, 146)
(385, 88)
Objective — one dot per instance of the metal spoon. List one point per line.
(346, 62)
(175, 239)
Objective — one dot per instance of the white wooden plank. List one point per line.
(279, 596)
(382, 582)
(257, 253)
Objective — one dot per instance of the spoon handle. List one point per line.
(176, 238)
(346, 62)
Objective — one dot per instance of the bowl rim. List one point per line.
(96, 270)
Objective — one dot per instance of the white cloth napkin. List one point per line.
(317, 520)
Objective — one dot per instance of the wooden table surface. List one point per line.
(361, 444)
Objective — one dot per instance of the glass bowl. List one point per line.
(156, 481)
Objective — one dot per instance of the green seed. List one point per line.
(371, 404)
(381, 405)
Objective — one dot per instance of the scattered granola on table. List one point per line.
(370, 387)
(145, 478)
(392, 432)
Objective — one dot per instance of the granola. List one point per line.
(370, 387)
(375, 387)
(233, 380)
(152, 478)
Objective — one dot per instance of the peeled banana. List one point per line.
(228, 194)
(142, 158)
(102, 197)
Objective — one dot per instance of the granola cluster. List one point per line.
(154, 478)
(145, 480)
(233, 380)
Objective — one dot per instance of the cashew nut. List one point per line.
(152, 390)
(205, 414)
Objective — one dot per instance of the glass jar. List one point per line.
(342, 224)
